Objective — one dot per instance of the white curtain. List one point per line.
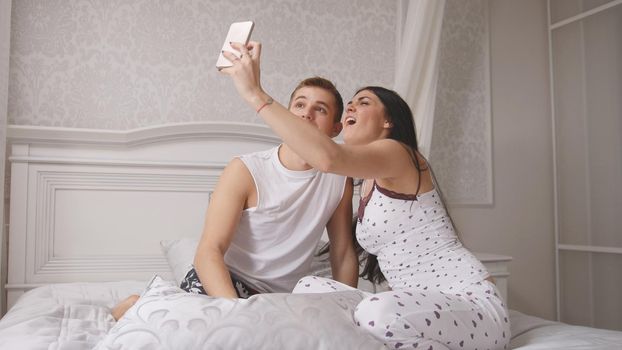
(416, 71)
(5, 29)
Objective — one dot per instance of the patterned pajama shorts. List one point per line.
(191, 284)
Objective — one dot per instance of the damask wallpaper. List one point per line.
(118, 64)
(461, 150)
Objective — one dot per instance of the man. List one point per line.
(268, 212)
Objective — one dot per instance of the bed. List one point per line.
(98, 215)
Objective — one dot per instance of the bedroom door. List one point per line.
(585, 39)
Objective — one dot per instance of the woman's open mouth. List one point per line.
(350, 120)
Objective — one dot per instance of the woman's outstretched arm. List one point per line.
(379, 159)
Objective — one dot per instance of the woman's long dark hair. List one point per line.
(400, 115)
(403, 130)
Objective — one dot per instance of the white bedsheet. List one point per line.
(533, 333)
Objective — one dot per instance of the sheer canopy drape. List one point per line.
(417, 63)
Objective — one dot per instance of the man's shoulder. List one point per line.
(261, 155)
(236, 167)
(247, 165)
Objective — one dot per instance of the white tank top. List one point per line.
(275, 241)
(415, 242)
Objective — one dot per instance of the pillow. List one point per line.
(180, 255)
(166, 318)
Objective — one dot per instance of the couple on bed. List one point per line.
(269, 210)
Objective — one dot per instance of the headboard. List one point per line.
(93, 205)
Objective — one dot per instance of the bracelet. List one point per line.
(268, 102)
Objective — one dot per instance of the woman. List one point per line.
(441, 296)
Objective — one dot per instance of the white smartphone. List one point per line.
(239, 32)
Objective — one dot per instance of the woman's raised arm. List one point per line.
(378, 159)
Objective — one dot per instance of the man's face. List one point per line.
(318, 107)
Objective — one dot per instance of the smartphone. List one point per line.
(239, 32)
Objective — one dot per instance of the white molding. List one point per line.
(488, 201)
(19, 222)
(98, 264)
(114, 162)
(583, 15)
(48, 182)
(589, 248)
(488, 257)
(23, 286)
(460, 193)
(588, 174)
(555, 181)
(159, 133)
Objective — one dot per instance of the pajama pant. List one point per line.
(474, 318)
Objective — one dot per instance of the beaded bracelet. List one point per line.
(268, 102)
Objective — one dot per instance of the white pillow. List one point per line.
(180, 255)
(166, 318)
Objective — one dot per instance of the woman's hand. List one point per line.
(245, 72)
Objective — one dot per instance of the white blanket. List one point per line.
(64, 316)
(165, 317)
(77, 316)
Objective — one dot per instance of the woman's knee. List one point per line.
(307, 284)
(316, 284)
(373, 314)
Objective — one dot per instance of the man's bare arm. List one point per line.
(227, 202)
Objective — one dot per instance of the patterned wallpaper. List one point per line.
(118, 64)
(461, 151)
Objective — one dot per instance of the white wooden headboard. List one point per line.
(93, 205)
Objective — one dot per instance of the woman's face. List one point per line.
(365, 119)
